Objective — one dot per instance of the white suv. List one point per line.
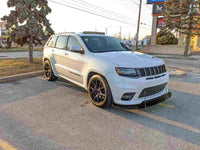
(106, 69)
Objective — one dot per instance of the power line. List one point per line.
(135, 2)
(112, 13)
(79, 5)
(146, 5)
(138, 4)
(102, 9)
(93, 13)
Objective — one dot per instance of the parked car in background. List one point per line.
(106, 69)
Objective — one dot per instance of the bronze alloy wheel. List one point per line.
(48, 72)
(99, 91)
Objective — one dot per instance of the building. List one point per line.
(158, 8)
(3, 30)
(146, 40)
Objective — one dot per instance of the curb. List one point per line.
(172, 56)
(179, 58)
(20, 76)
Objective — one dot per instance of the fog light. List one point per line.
(127, 96)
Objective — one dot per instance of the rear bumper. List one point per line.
(120, 85)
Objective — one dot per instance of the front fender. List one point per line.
(98, 67)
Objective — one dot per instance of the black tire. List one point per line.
(99, 91)
(48, 72)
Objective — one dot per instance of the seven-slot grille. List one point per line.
(152, 71)
(152, 90)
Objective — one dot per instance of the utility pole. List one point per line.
(120, 33)
(138, 25)
(107, 29)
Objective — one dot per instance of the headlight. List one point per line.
(131, 72)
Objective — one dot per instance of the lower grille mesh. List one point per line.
(152, 90)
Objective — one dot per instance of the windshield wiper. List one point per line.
(110, 51)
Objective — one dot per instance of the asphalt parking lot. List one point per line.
(39, 115)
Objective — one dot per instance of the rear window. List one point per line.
(52, 41)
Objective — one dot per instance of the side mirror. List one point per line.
(125, 46)
(77, 49)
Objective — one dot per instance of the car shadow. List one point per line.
(71, 85)
(143, 105)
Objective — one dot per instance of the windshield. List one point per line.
(99, 44)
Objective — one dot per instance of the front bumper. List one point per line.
(120, 85)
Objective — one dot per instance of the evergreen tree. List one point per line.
(186, 14)
(166, 38)
(28, 21)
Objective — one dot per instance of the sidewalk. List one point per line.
(176, 72)
(183, 70)
(168, 56)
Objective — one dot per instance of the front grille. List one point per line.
(152, 90)
(150, 71)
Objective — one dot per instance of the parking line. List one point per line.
(171, 122)
(6, 146)
(166, 105)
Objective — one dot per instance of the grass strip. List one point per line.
(17, 66)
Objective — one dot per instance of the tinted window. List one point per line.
(99, 44)
(61, 42)
(52, 42)
(72, 42)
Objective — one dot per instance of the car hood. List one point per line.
(130, 59)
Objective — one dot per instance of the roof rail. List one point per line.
(93, 32)
(65, 32)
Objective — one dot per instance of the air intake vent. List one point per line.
(152, 90)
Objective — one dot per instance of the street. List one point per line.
(41, 115)
(23, 54)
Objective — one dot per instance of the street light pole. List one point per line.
(138, 26)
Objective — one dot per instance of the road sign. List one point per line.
(158, 8)
(154, 1)
(161, 22)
